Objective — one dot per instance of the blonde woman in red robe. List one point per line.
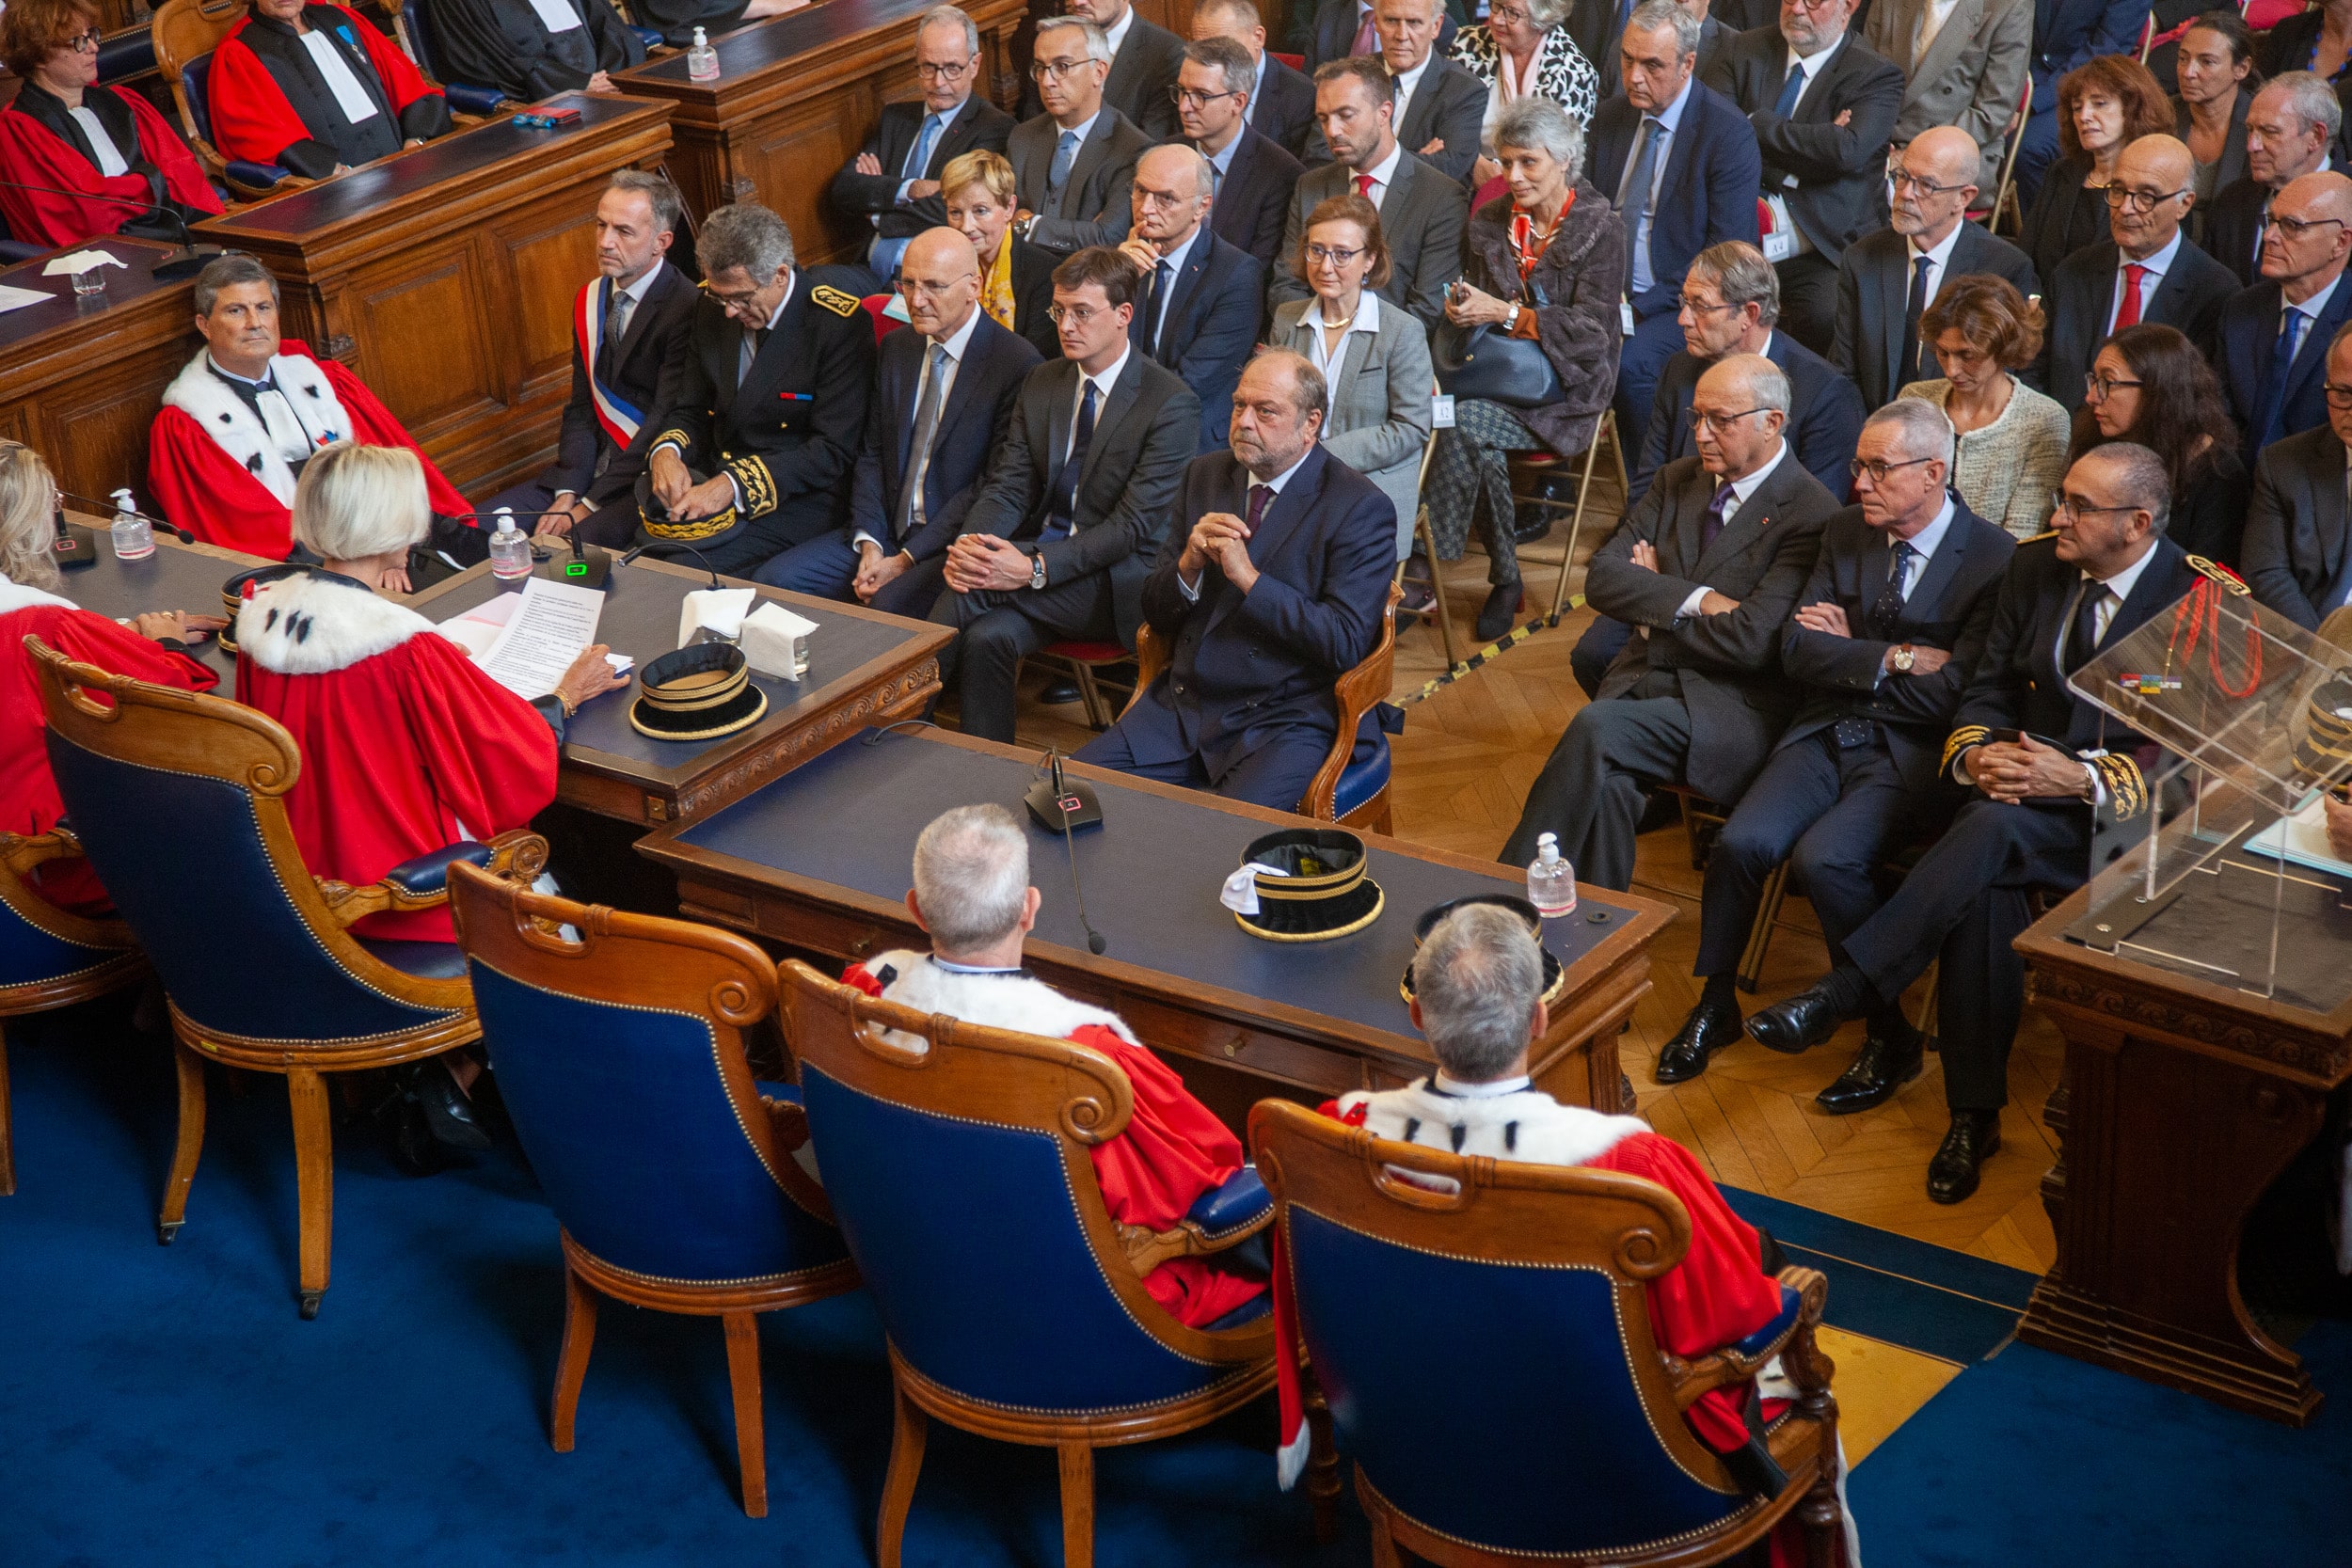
(406, 746)
(971, 895)
(33, 603)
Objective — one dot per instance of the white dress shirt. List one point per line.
(2153, 268)
(633, 294)
(1366, 320)
(1403, 87)
(2113, 592)
(743, 368)
(1923, 546)
(1117, 36)
(956, 342)
(1192, 590)
(1741, 490)
(2312, 307)
(1811, 65)
(286, 431)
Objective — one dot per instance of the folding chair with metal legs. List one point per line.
(1608, 426)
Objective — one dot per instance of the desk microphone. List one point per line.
(156, 523)
(672, 545)
(1055, 801)
(187, 262)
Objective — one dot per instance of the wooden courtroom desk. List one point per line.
(81, 379)
(863, 667)
(796, 98)
(444, 276)
(177, 577)
(2182, 1101)
(818, 860)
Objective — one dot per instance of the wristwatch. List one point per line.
(1512, 324)
(1900, 660)
(1036, 571)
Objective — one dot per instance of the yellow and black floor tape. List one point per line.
(1494, 650)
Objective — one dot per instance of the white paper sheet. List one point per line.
(477, 630)
(717, 610)
(550, 624)
(16, 299)
(80, 261)
(2301, 839)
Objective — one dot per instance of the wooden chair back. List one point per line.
(187, 30)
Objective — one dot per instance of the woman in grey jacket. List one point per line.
(1374, 356)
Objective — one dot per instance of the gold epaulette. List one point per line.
(2127, 789)
(835, 300)
(2219, 574)
(758, 486)
(1959, 741)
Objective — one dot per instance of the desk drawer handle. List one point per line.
(863, 944)
(1233, 1047)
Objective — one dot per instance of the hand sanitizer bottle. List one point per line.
(702, 61)
(1551, 881)
(134, 540)
(510, 551)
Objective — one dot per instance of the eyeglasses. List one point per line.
(2295, 228)
(1902, 179)
(1700, 307)
(1338, 254)
(1720, 422)
(951, 71)
(1187, 98)
(1878, 470)
(84, 43)
(2100, 387)
(2339, 395)
(1055, 71)
(1077, 315)
(2140, 201)
(1510, 16)
(2074, 506)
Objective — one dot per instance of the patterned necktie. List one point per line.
(615, 317)
(2082, 638)
(1790, 90)
(1716, 509)
(926, 428)
(2127, 311)
(1913, 350)
(1888, 608)
(1641, 185)
(1058, 173)
(1063, 520)
(2270, 413)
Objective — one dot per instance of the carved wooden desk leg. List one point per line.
(2167, 1147)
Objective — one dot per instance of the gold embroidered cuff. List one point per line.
(752, 478)
(1959, 741)
(2127, 790)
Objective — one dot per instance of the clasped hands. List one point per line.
(2025, 770)
(876, 569)
(674, 486)
(981, 562)
(1645, 557)
(1222, 538)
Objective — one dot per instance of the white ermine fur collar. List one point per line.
(225, 417)
(14, 596)
(998, 1001)
(311, 624)
(1529, 1126)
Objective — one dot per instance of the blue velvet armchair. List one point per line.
(620, 1055)
(1559, 1438)
(178, 800)
(1014, 1308)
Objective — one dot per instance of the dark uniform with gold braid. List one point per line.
(1964, 902)
(785, 428)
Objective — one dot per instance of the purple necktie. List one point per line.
(1714, 523)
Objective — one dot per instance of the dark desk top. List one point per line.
(367, 190)
(778, 40)
(641, 619)
(176, 577)
(126, 285)
(845, 822)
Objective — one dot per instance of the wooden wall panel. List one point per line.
(429, 351)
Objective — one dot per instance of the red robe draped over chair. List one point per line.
(33, 154)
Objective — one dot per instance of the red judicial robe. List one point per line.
(254, 120)
(407, 745)
(215, 471)
(1172, 1149)
(28, 796)
(32, 153)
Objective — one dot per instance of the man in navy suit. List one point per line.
(2297, 306)
(1679, 162)
(1277, 593)
(893, 184)
(2299, 532)
(2043, 762)
(1883, 642)
(1282, 103)
(1344, 27)
(1250, 176)
(2068, 33)
(945, 391)
(1197, 298)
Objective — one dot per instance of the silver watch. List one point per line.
(1036, 571)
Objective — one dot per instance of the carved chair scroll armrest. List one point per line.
(788, 1119)
(423, 882)
(1224, 1217)
(22, 853)
(1357, 692)
(1153, 654)
(1803, 1292)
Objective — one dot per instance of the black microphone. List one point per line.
(1068, 804)
(672, 545)
(189, 260)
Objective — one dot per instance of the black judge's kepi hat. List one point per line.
(1322, 893)
(699, 692)
(1555, 975)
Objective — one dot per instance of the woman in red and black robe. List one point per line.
(314, 89)
(111, 163)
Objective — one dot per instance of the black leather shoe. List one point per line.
(1883, 1068)
(1504, 603)
(1797, 1025)
(1706, 1031)
(1058, 692)
(1952, 1174)
(447, 1111)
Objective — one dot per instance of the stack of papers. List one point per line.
(2301, 839)
(526, 641)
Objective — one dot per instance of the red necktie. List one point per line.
(2127, 314)
(1363, 186)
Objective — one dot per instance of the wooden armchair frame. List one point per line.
(203, 735)
(1359, 690)
(115, 958)
(1081, 1097)
(1561, 1216)
(187, 30)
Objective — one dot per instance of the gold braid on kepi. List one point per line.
(2127, 790)
(1959, 741)
(2322, 735)
(752, 477)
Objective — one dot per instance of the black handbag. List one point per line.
(1480, 362)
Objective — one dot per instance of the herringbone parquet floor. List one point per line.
(1463, 767)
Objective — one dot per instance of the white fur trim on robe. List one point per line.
(997, 1001)
(1549, 1133)
(309, 625)
(225, 417)
(14, 596)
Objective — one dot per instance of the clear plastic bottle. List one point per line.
(1551, 881)
(134, 540)
(702, 61)
(510, 548)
